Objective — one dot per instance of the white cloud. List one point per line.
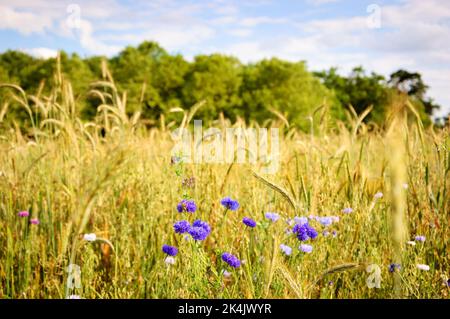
(320, 2)
(254, 21)
(23, 21)
(43, 53)
(414, 33)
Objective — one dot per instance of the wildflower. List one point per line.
(229, 203)
(249, 222)
(34, 221)
(330, 283)
(325, 221)
(175, 160)
(226, 274)
(199, 230)
(412, 243)
(90, 237)
(423, 267)
(378, 195)
(419, 238)
(74, 297)
(301, 220)
(231, 260)
(347, 210)
(169, 260)
(202, 224)
(335, 219)
(306, 248)
(405, 186)
(286, 249)
(394, 266)
(181, 227)
(188, 182)
(326, 233)
(23, 214)
(186, 206)
(304, 232)
(273, 217)
(448, 282)
(170, 250)
(334, 233)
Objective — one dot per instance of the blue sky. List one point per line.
(382, 36)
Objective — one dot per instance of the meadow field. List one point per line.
(103, 197)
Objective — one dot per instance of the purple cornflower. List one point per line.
(229, 203)
(420, 238)
(394, 266)
(181, 227)
(231, 260)
(304, 232)
(23, 214)
(325, 221)
(378, 195)
(272, 217)
(170, 250)
(199, 230)
(306, 248)
(286, 249)
(186, 206)
(249, 222)
(34, 221)
(301, 220)
(347, 210)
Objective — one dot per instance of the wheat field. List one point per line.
(115, 177)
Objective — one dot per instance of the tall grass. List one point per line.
(113, 177)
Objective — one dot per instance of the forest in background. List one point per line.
(156, 81)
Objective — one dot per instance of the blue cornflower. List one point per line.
(420, 238)
(304, 232)
(229, 203)
(249, 222)
(202, 224)
(186, 206)
(199, 230)
(306, 248)
(326, 221)
(182, 227)
(231, 260)
(301, 220)
(394, 266)
(286, 249)
(170, 250)
(347, 210)
(272, 216)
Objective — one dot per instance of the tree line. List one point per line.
(156, 81)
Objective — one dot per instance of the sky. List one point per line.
(381, 36)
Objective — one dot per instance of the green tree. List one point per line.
(412, 84)
(216, 79)
(286, 87)
(358, 90)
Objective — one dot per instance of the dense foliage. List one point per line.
(156, 81)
